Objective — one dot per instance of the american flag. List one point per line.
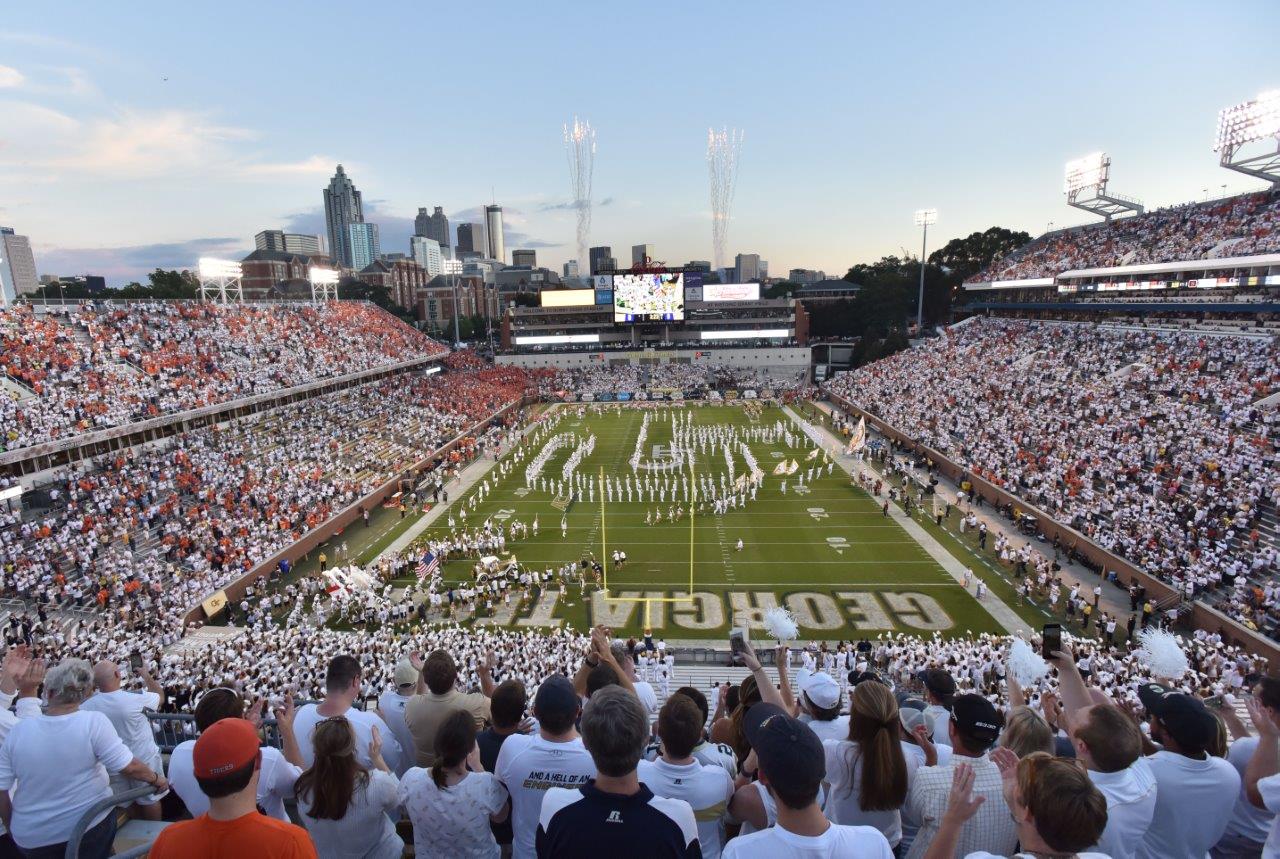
(428, 565)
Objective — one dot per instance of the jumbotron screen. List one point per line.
(648, 297)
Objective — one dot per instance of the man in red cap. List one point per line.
(227, 761)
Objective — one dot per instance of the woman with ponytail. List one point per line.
(343, 805)
(867, 773)
(453, 803)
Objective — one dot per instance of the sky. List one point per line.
(144, 134)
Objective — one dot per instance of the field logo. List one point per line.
(818, 513)
(802, 489)
(838, 543)
(521, 492)
(503, 515)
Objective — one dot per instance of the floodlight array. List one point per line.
(1087, 172)
(218, 268)
(926, 217)
(323, 276)
(1243, 123)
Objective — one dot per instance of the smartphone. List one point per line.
(737, 643)
(135, 663)
(1214, 703)
(1052, 637)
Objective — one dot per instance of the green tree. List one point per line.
(970, 255)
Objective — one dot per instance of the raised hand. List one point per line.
(1006, 761)
(961, 803)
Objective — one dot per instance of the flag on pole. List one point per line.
(813, 454)
(780, 468)
(858, 440)
(428, 565)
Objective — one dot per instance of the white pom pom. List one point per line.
(1026, 666)
(779, 623)
(1162, 654)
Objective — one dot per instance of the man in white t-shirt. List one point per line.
(127, 714)
(678, 775)
(820, 701)
(1195, 791)
(644, 689)
(392, 704)
(1262, 773)
(342, 689)
(791, 766)
(530, 765)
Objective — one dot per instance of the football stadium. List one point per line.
(329, 549)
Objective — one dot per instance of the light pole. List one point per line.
(924, 217)
(452, 267)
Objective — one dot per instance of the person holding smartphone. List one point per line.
(127, 712)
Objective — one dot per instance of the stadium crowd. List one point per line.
(1147, 442)
(92, 367)
(627, 378)
(1243, 225)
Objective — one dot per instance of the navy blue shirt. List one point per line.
(590, 823)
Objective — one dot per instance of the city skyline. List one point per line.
(118, 155)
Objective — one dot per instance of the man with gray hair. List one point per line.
(127, 712)
(56, 766)
(614, 814)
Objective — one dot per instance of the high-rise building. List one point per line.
(342, 208)
(422, 223)
(471, 238)
(602, 259)
(698, 265)
(805, 276)
(493, 232)
(641, 254)
(438, 228)
(426, 253)
(288, 243)
(571, 268)
(17, 266)
(525, 257)
(746, 268)
(362, 239)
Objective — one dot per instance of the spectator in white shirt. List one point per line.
(1059, 811)
(278, 770)
(127, 712)
(677, 774)
(1109, 744)
(789, 759)
(55, 767)
(973, 727)
(1195, 791)
(20, 678)
(939, 689)
(867, 771)
(393, 702)
(820, 705)
(1262, 775)
(1250, 825)
(342, 684)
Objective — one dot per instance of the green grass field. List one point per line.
(826, 552)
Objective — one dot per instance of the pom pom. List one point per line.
(1026, 666)
(1162, 654)
(779, 623)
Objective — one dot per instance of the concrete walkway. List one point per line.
(1005, 616)
(1115, 601)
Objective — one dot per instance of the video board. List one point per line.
(657, 297)
(731, 292)
(567, 297)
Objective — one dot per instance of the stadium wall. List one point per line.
(1202, 616)
(337, 523)
(793, 358)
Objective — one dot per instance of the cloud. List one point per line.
(10, 77)
(571, 206)
(120, 265)
(316, 165)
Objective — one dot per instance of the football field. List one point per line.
(821, 548)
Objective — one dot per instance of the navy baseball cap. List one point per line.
(555, 695)
(789, 752)
(1184, 716)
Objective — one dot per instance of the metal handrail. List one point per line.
(86, 820)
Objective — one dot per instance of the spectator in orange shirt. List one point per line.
(227, 762)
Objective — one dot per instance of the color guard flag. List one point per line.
(858, 440)
(428, 565)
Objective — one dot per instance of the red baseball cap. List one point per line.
(227, 745)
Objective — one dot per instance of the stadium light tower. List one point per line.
(324, 284)
(453, 268)
(1251, 122)
(924, 218)
(220, 278)
(1086, 188)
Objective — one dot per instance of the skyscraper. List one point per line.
(289, 243)
(746, 268)
(571, 268)
(426, 253)
(17, 266)
(602, 259)
(438, 228)
(525, 257)
(640, 254)
(362, 239)
(422, 223)
(471, 238)
(342, 208)
(493, 231)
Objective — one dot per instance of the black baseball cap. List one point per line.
(938, 682)
(555, 695)
(856, 677)
(1184, 716)
(975, 716)
(789, 752)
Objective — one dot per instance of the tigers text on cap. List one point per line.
(225, 747)
(406, 674)
(822, 689)
(788, 750)
(976, 717)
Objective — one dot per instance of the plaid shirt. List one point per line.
(992, 829)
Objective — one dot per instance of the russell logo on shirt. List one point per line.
(614, 817)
